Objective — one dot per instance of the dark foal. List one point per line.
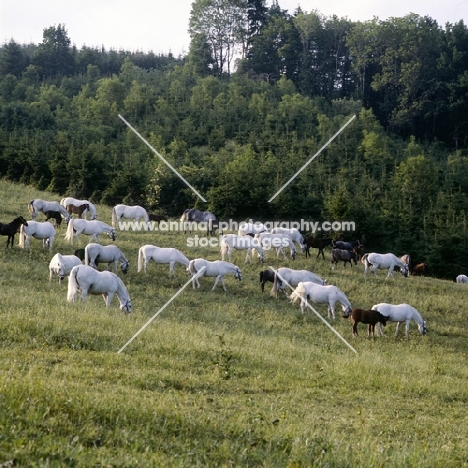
(12, 228)
(369, 317)
(77, 209)
(55, 215)
(265, 277)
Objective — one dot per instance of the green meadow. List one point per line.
(236, 379)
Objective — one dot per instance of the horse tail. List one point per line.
(73, 286)
(22, 236)
(276, 284)
(31, 209)
(364, 260)
(224, 247)
(140, 259)
(191, 268)
(299, 293)
(86, 255)
(114, 218)
(69, 233)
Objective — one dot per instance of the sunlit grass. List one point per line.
(222, 379)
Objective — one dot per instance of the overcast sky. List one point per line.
(161, 25)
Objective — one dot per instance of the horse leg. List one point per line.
(216, 282)
(321, 251)
(397, 329)
(355, 332)
(172, 269)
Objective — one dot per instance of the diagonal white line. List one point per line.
(164, 160)
(161, 309)
(312, 158)
(316, 313)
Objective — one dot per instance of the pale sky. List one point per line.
(161, 25)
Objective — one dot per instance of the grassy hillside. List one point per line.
(221, 379)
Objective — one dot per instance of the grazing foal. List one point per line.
(369, 317)
(266, 276)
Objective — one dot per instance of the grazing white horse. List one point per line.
(250, 229)
(61, 265)
(35, 206)
(110, 254)
(161, 255)
(88, 280)
(90, 228)
(382, 262)
(43, 231)
(293, 278)
(321, 294)
(277, 241)
(129, 212)
(294, 234)
(218, 268)
(73, 201)
(400, 313)
(230, 242)
(462, 279)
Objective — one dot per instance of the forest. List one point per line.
(253, 100)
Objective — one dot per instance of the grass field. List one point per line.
(222, 379)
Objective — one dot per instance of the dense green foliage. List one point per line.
(399, 171)
(222, 379)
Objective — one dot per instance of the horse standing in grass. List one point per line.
(35, 206)
(345, 256)
(42, 231)
(168, 255)
(230, 242)
(266, 276)
(110, 254)
(218, 269)
(73, 201)
(192, 215)
(73, 209)
(294, 234)
(316, 243)
(287, 276)
(129, 212)
(10, 229)
(90, 228)
(321, 294)
(55, 215)
(61, 265)
(88, 280)
(369, 317)
(383, 262)
(400, 313)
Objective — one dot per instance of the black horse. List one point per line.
(316, 243)
(55, 215)
(12, 228)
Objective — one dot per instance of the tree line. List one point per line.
(400, 171)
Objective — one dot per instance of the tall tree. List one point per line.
(223, 24)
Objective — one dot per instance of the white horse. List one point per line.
(218, 268)
(61, 265)
(277, 241)
(462, 279)
(321, 294)
(250, 229)
(90, 228)
(43, 231)
(129, 212)
(294, 234)
(293, 278)
(110, 254)
(161, 255)
(400, 313)
(35, 206)
(230, 242)
(73, 201)
(382, 262)
(88, 280)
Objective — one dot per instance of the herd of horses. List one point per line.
(251, 237)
